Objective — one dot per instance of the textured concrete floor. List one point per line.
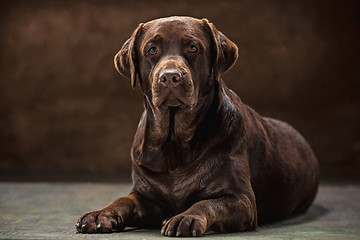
(49, 211)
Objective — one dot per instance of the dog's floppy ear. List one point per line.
(125, 60)
(225, 52)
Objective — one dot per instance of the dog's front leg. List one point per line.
(224, 214)
(130, 211)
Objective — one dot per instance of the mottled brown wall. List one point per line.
(64, 108)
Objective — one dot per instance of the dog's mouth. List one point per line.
(165, 98)
(173, 98)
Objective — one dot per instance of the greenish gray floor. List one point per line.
(50, 210)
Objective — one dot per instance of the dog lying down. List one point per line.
(201, 159)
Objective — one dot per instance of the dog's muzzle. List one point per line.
(173, 85)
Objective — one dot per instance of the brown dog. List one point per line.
(201, 159)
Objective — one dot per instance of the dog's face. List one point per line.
(176, 60)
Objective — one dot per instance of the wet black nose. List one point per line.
(170, 78)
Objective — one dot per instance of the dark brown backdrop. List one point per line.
(64, 109)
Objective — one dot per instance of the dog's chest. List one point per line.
(183, 179)
(182, 189)
(176, 156)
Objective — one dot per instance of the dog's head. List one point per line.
(176, 60)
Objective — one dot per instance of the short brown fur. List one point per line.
(202, 160)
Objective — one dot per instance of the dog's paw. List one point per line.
(99, 222)
(185, 225)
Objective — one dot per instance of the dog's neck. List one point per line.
(171, 138)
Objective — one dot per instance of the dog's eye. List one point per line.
(153, 51)
(192, 49)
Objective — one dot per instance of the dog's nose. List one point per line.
(170, 78)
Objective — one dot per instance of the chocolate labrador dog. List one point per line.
(201, 159)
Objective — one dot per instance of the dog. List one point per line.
(201, 159)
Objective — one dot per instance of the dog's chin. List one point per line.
(172, 101)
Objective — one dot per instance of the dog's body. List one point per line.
(201, 158)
